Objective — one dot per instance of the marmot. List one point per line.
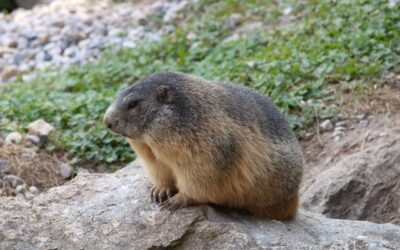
(205, 142)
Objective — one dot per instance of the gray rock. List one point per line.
(234, 20)
(23, 43)
(35, 44)
(117, 208)
(33, 190)
(23, 68)
(13, 180)
(153, 36)
(40, 127)
(326, 125)
(172, 9)
(17, 58)
(128, 44)
(33, 138)
(21, 188)
(54, 52)
(70, 51)
(361, 117)
(65, 170)
(363, 124)
(29, 34)
(20, 196)
(43, 56)
(345, 124)
(362, 185)
(4, 166)
(338, 137)
(340, 129)
(13, 137)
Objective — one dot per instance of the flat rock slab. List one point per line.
(113, 211)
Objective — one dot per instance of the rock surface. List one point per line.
(360, 179)
(113, 211)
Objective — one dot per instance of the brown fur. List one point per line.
(182, 163)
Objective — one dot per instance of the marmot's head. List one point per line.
(153, 106)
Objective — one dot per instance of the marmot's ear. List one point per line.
(162, 93)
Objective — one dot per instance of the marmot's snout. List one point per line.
(110, 120)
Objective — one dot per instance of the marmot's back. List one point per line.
(247, 104)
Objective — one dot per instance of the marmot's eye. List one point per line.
(133, 104)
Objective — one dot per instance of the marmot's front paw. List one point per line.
(161, 194)
(178, 201)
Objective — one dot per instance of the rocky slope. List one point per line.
(109, 211)
(357, 178)
(68, 32)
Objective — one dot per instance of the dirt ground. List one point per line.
(380, 104)
(31, 166)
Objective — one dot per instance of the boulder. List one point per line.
(113, 211)
(361, 184)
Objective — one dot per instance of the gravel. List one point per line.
(62, 33)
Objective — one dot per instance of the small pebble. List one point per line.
(326, 125)
(20, 196)
(362, 117)
(340, 129)
(345, 124)
(234, 20)
(13, 180)
(65, 170)
(33, 190)
(4, 166)
(337, 138)
(363, 124)
(33, 138)
(13, 138)
(20, 188)
(40, 127)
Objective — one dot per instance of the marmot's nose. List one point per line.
(109, 121)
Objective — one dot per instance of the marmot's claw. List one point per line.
(159, 195)
(176, 202)
(171, 192)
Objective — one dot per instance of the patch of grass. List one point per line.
(293, 59)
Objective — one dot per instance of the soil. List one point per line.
(382, 107)
(34, 167)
